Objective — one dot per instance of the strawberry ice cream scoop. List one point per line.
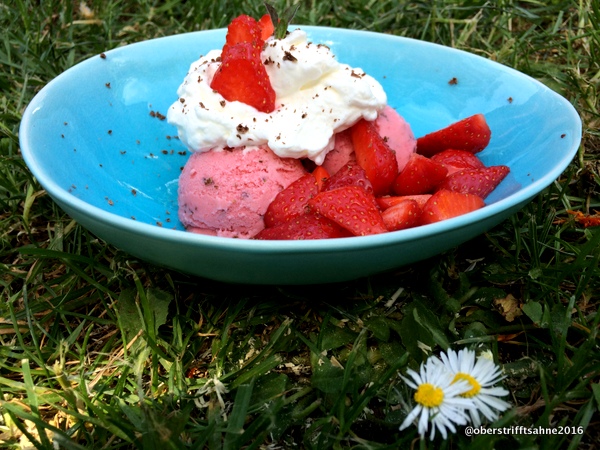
(226, 192)
(398, 134)
(391, 126)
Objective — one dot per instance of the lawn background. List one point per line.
(100, 350)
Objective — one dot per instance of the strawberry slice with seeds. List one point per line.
(350, 174)
(351, 207)
(446, 204)
(402, 215)
(471, 134)
(421, 175)
(374, 156)
(244, 29)
(388, 201)
(480, 181)
(321, 175)
(266, 27)
(292, 201)
(243, 77)
(455, 160)
(306, 226)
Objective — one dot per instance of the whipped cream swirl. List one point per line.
(316, 97)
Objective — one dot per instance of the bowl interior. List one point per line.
(96, 138)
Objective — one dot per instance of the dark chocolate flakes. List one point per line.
(157, 115)
(287, 56)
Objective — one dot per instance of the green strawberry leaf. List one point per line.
(281, 23)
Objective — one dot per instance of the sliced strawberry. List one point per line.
(402, 215)
(352, 208)
(350, 174)
(266, 27)
(388, 201)
(244, 29)
(374, 155)
(306, 226)
(292, 201)
(321, 175)
(476, 181)
(455, 160)
(243, 77)
(421, 175)
(446, 204)
(471, 134)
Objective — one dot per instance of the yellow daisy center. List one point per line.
(429, 396)
(475, 386)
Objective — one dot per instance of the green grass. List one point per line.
(103, 351)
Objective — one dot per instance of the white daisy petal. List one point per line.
(495, 391)
(484, 409)
(475, 418)
(411, 417)
(439, 405)
(494, 402)
(480, 374)
(423, 422)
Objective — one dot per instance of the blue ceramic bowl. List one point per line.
(94, 139)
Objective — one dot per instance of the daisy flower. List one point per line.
(438, 399)
(481, 374)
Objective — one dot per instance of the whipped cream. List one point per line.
(316, 97)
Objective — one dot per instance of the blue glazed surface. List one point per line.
(94, 139)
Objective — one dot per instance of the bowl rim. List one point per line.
(101, 216)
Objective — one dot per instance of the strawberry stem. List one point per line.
(281, 23)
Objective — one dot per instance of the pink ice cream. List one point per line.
(398, 133)
(226, 192)
(391, 126)
(342, 153)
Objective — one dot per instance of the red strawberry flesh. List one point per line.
(244, 29)
(243, 77)
(421, 175)
(455, 160)
(350, 174)
(352, 208)
(388, 201)
(402, 215)
(292, 201)
(446, 204)
(266, 27)
(303, 227)
(374, 156)
(480, 182)
(471, 134)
